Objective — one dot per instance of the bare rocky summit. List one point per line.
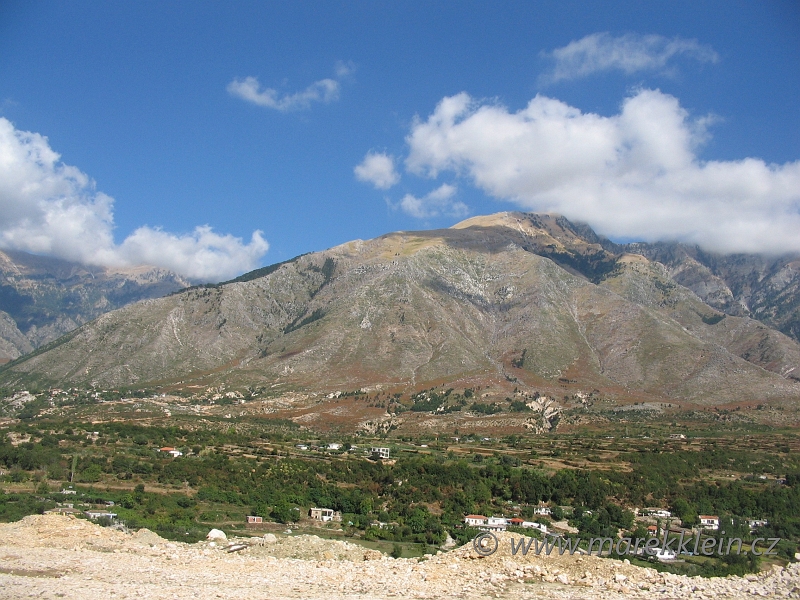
(53, 556)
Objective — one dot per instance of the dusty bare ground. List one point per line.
(54, 556)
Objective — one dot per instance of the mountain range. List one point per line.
(42, 298)
(529, 301)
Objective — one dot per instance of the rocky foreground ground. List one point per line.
(54, 556)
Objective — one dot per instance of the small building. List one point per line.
(99, 514)
(652, 531)
(516, 522)
(68, 491)
(542, 510)
(254, 520)
(379, 452)
(661, 513)
(324, 514)
(496, 524)
(62, 510)
(709, 522)
(677, 436)
(756, 523)
(334, 446)
(533, 525)
(475, 520)
(171, 451)
(661, 554)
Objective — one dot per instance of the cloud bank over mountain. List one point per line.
(636, 174)
(47, 207)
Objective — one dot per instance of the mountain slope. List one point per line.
(508, 297)
(763, 288)
(43, 298)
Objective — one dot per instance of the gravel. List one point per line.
(53, 556)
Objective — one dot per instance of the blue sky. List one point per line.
(320, 122)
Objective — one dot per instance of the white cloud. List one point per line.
(635, 174)
(324, 90)
(344, 68)
(47, 207)
(202, 254)
(629, 53)
(437, 203)
(378, 169)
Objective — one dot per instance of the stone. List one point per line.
(216, 534)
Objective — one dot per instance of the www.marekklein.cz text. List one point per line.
(486, 544)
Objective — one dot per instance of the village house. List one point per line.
(709, 522)
(486, 523)
(533, 525)
(324, 514)
(652, 531)
(379, 452)
(62, 510)
(171, 451)
(756, 523)
(496, 524)
(254, 520)
(475, 520)
(541, 510)
(99, 514)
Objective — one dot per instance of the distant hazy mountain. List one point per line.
(43, 298)
(532, 299)
(763, 288)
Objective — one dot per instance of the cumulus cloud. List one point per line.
(437, 203)
(629, 53)
(202, 254)
(378, 169)
(47, 207)
(635, 174)
(324, 90)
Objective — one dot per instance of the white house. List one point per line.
(379, 452)
(662, 554)
(97, 514)
(534, 525)
(496, 524)
(324, 514)
(334, 446)
(664, 514)
(541, 510)
(486, 523)
(709, 522)
(475, 520)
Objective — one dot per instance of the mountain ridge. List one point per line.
(514, 297)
